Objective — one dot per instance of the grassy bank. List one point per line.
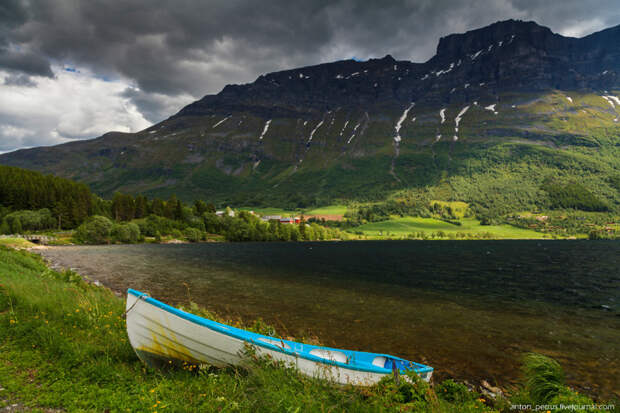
(63, 345)
(415, 227)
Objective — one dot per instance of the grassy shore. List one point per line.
(63, 347)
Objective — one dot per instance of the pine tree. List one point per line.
(200, 207)
(141, 206)
(158, 207)
(171, 206)
(179, 215)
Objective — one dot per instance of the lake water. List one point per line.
(470, 309)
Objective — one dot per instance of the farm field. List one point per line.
(401, 227)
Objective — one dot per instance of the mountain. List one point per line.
(496, 115)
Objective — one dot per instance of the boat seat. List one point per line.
(278, 343)
(330, 355)
(379, 361)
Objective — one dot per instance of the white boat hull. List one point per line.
(159, 336)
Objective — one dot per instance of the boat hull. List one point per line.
(162, 337)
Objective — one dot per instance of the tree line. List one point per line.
(31, 201)
(68, 202)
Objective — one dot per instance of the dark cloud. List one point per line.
(155, 106)
(19, 79)
(25, 62)
(175, 49)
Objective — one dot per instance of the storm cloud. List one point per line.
(165, 54)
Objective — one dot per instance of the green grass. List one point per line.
(16, 243)
(327, 210)
(270, 211)
(458, 208)
(402, 227)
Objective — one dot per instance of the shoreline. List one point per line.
(58, 263)
(476, 385)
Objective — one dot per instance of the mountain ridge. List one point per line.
(353, 130)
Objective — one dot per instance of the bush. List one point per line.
(26, 220)
(96, 230)
(16, 226)
(153, 224)
(5, 228)
(544, 377)
(192, 234)
(128, 233)
(452, 391)
(410, 390)
(567, 397)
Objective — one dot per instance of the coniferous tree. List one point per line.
(200, 207)
(158, 207)
(171, 206)
(141, 206)
(178, 211)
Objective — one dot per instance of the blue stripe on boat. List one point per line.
(357, 360)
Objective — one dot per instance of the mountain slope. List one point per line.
(493, 115)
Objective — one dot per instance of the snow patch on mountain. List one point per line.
(475, 55)
(441, 72)
(399, 124)
(353, 134)
(265, 128)
(491, 108)
(220, 122)
(458, 118)
(611, 99)
(314, 130)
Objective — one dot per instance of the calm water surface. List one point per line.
(470, 308)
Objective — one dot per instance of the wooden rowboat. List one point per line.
(160, 334)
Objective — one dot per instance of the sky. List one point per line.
(73, 69)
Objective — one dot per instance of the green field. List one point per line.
(270, 211)
(401, 227)
(327, 210)
(324, 210)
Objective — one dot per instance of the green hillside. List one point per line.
(499, 162)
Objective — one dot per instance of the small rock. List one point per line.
(490, 391)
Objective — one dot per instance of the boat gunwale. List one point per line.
(248, 337)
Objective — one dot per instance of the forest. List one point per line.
(31, 201)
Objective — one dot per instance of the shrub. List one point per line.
(5, 228)
(152, 224)
(128, 233)
(95, 231)
(192, 234)
(30, 220)
(410, 390)
(16, 226)
(544, 377)
(452, 391)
